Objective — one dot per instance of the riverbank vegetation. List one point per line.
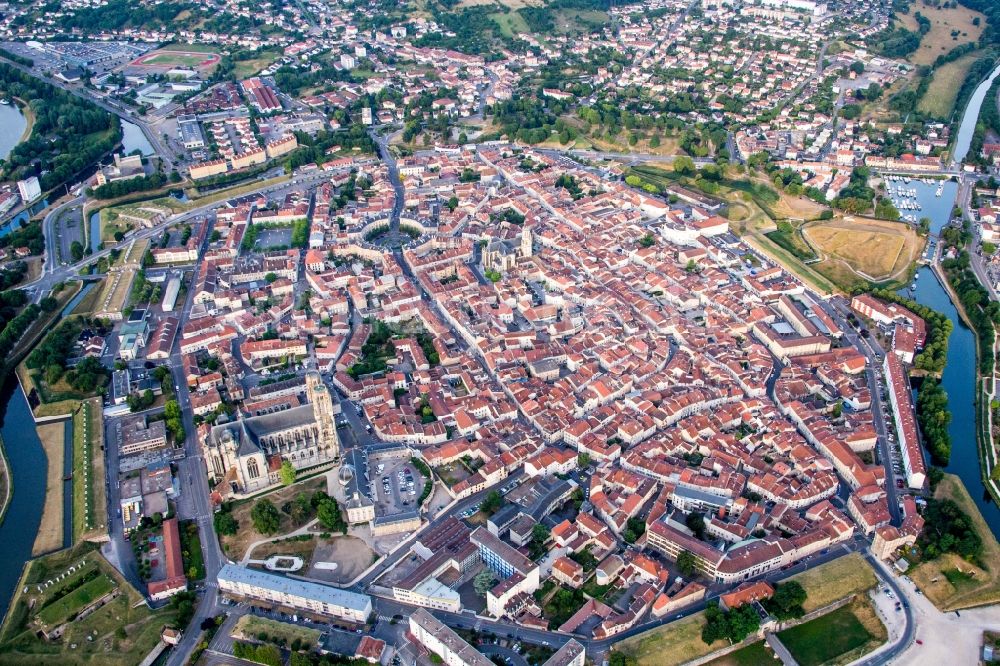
(956, 565)
(935, 353)
(988, 122)
(982, 312)
(69, 134)
(934, 416)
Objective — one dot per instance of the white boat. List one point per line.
(5, 101)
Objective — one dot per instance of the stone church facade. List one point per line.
(246, 454)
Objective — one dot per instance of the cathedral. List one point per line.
(502, 255)
(244, 456)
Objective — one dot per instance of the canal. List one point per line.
(12, 126)
(959, 382)
(28, 469)
(968, 126)
(134, 139)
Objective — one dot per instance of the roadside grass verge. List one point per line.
(672, 644)
(832, 581)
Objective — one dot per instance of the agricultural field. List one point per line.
(939, 100)
(876, 250)
(838, 637)
(834, 580)
(510, 23)
(513, 5)
(246, 68)
(944, 22)
(950, 582)
(672, 644)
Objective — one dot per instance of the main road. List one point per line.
(55, 273)
(194, 503)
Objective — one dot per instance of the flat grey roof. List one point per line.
(701, 496)
(300, 588)
(566, 654)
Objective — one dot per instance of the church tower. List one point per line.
(526, 241)
(322, 403)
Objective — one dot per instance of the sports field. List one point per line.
(164, 59)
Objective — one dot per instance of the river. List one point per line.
(959, 376)
(134, 139)
(28, 469)
(12, 125)
(968, 126)
(959, 382)
(916, 199)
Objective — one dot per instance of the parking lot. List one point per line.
(395, 483)
(277, 237)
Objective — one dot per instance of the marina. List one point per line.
(917, 198)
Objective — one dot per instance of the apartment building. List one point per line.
(295, 594)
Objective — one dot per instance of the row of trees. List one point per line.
(174, 422)
(975, 300)
(934, 416)
(119, 188)
(935, 353)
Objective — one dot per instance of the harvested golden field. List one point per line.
(943, 22)
(939, 100)
(800, 208)
(50, 532)
(876, 250)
